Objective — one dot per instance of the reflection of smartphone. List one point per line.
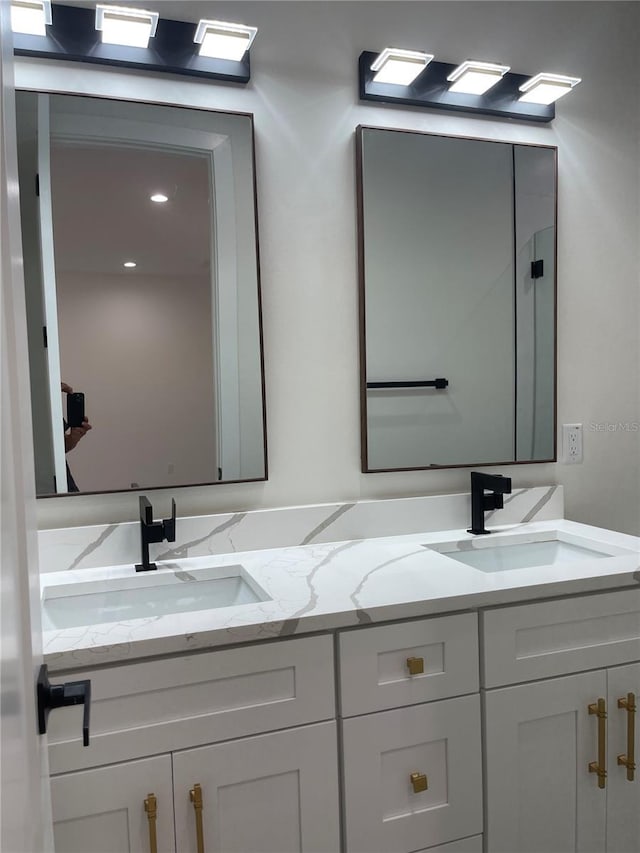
(75, 409)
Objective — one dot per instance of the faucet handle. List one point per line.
(169, 524)
(146, 510)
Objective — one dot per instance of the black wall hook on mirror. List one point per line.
(154, 531)
(52, 696)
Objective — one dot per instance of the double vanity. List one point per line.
(286, 682)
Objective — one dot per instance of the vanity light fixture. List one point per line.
(221, 40)
(133, 38)
(124, 26)
(547, 88)
(30, 16)
(399, 67)
(130, 264)
(483, 88)
(159, 198)
(476, 78)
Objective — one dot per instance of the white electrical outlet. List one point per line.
(572, 443)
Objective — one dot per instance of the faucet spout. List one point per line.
(498, 486)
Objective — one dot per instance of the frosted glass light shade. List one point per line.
(546, 88)
(221, 40)
(30, 16)
(476, 78)
(127, 27)
(398, 66)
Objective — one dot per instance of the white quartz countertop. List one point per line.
(336, 585)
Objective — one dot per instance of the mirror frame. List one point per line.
(362, 300)
(37, 79)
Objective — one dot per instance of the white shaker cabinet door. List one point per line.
(623, 784)
(413, 776)
(540, 740)
(103, 810)
(275, 793)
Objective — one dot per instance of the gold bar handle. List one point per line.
(419, 782)
(195, 795)
(599, 709)
(415, 666)
(151, 808)
(629, 760)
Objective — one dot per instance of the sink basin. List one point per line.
(511, 552)
(168, 591)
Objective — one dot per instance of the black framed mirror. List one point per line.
(457, 267)
(143, 292)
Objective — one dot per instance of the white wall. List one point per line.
(139, 347)
(304, 96)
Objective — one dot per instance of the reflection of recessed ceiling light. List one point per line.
(128, 27)
(130, 264)
(159, 198)
(395, 65)
(221, 40)
(30, 16)
(547, 88)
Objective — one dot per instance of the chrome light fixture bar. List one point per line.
(127, 27)
(220, 40)
(30, 17)
(73, 37)
(433, 89)
(547, 88)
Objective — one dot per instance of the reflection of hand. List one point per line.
(74, 435)
(66, 389)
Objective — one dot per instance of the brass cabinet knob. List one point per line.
(415, 666)
(419, 782)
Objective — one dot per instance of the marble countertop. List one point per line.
(333, 585)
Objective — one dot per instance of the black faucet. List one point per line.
(494, 483)
(154, 531)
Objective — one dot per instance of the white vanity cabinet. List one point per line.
(253, 727)
(116, 809)
(274, 793)
(546, 739)
(413, 773)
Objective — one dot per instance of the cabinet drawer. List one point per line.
(374, 671)
(162, 705)
(534, 641)
(381, 752)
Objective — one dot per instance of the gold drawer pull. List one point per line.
(629, 760)
(599, 709)
(415, 666)
(151, 808)
(419, 782)
(195, 795)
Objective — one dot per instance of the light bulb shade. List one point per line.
(221, 40)
(127, 27)
(30, 16)
(395, 65)
(476, 78)
(546, 88)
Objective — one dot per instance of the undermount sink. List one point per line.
(513, 552)
(170, 590)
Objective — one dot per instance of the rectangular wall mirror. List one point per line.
(457, 256)
(168, 352)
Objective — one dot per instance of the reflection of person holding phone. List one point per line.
(72, 437)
